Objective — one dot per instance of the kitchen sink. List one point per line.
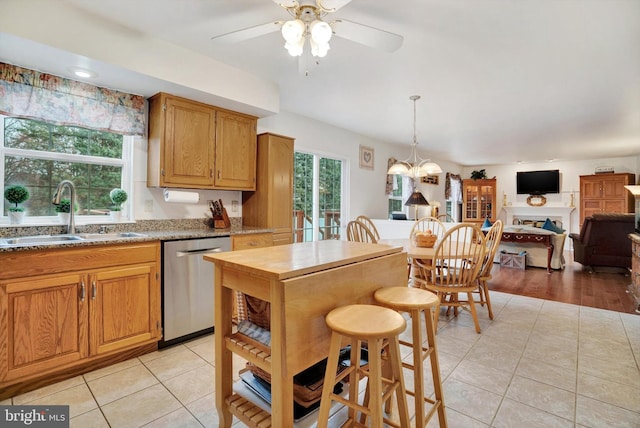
(59, 239)
(40, 239)
(112, 235)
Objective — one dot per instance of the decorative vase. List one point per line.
(16, 217)
(115, 216)
(64, 218)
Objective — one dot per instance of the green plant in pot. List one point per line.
(16, 194)
(118, 197)
(64, 208)
(478, 174)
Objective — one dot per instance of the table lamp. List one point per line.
(416, 199)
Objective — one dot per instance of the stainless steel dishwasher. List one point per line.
(187, 288)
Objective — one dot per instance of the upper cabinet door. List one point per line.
(190, 139)
(235, 160)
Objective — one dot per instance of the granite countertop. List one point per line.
(145, 231)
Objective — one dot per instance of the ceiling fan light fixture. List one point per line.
(293, 31)
(295, 48)
(319, 49)
(320, 31)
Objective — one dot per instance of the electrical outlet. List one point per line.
(234, 206)
(148, 205)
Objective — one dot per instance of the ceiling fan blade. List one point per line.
(249, 33)
(368, 36)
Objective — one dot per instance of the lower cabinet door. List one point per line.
(124, 308)
(45, 325)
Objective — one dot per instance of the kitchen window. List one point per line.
(317, 197)
(39, 155)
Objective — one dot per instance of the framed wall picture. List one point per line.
(366, 157)
(430, 179)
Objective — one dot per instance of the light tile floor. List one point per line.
(537, 364)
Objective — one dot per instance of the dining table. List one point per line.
(414, 252)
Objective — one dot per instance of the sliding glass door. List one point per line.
(317, 197)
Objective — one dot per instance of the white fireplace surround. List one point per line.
(539, 213)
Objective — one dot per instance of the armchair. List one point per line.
(604, 240)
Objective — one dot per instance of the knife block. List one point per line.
(222, 222)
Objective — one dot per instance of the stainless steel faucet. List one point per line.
(71, 227)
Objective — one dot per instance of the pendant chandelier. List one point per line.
(414, 166)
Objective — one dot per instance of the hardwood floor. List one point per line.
(605, 289)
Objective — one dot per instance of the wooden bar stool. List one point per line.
(414, 301)
(379, 327)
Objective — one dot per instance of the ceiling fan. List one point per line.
(307, 23)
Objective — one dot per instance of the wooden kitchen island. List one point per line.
(303, 282)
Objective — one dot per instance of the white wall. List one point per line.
(570, 172)
(365, 189)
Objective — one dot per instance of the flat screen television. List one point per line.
(538, 182)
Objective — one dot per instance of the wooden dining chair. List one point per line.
(446, 218)
(492, 241)
(428, 223)
(455, 267)
(359, 232)
(422, 225)
(372, 227)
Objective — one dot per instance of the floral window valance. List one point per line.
(35, 95)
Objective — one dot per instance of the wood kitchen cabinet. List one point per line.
(479, 200)
(57, 320)
(271, 204)
(251, 240)
(195, 145)
(605, 193)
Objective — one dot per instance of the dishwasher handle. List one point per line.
(196, 252)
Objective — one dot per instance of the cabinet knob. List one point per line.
(93, 290)
(83, 291)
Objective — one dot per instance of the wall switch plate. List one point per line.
(148, 205)
(234, 206)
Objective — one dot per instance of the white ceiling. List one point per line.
(501, 80)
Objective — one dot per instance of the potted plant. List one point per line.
(118, 197)
(16, 194)
(63, 209)
(478, 174)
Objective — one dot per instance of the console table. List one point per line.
(532, 238)
(302, 282)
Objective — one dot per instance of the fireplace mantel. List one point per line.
(539, 213)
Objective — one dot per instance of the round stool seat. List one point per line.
(365, 321)
(406, 298)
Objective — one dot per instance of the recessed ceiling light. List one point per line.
(83, 72)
